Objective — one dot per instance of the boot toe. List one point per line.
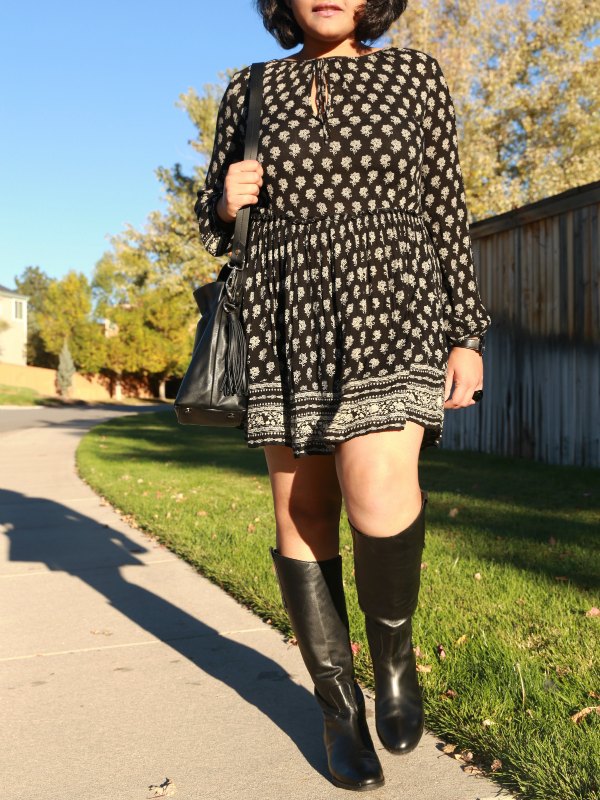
(400, 735)
(365, 774)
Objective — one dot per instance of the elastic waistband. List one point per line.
(257, 212)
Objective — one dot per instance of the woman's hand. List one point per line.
(465, 369)
(242, 184)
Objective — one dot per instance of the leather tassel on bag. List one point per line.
(234, 380)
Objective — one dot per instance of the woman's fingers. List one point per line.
(448, 385)
(242, 185)
(467, 377)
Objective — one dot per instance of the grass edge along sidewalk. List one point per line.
(506, 634)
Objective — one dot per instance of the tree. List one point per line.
(522, 75)
(34, 284)
(66, 370)
(153, 324)
(66, 313)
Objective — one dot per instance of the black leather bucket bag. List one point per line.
(214, 390)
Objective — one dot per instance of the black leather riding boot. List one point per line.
(387, 571)
(313, 595)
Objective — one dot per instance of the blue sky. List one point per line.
(87, 102)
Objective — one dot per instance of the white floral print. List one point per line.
(359, 260)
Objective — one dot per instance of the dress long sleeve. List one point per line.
(215, 234)
(445, 211)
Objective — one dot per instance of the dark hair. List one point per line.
(375, 17)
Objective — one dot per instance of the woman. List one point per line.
(361, 309)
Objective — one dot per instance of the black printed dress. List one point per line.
(359, 254)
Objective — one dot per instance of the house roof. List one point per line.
(5, 291)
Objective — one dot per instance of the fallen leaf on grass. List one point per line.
(471, 769)
(584, 712)
(440, 651)
(461, 639)
(251, 528)
(202, 513)
(448, 748)
(164, 789)
(355, 647)
(496, 765)
(563, 670)
(423, 668)
(453, 512)
(593, 612)
(594, 694)
(487, 722)
(449, 693)
(464, 755)
(424, 564)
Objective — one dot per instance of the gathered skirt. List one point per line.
(343, 322)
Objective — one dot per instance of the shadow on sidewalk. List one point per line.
(40, 530)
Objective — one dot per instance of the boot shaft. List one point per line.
(387, 570)
(313, 596)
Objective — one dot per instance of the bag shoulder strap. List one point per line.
(242, 218)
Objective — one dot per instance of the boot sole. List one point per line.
(365, 787)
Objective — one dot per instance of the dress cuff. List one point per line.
(219, 225)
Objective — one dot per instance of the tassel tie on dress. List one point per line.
(323, 99)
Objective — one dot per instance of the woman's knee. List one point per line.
(306, 492)
(380, 479)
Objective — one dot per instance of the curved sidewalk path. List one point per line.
(122, 668)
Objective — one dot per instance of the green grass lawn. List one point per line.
(510, 574)
(19, 396)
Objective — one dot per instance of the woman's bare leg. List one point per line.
(379, 478)
(307, 501)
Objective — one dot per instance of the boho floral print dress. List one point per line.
(360, 264)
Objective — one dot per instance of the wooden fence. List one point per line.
(539, 274)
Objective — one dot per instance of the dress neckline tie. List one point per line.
(323, 91)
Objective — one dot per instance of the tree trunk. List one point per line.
(162, 389)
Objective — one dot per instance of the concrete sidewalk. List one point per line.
(122, 668)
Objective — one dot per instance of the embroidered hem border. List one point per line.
(312, 422)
